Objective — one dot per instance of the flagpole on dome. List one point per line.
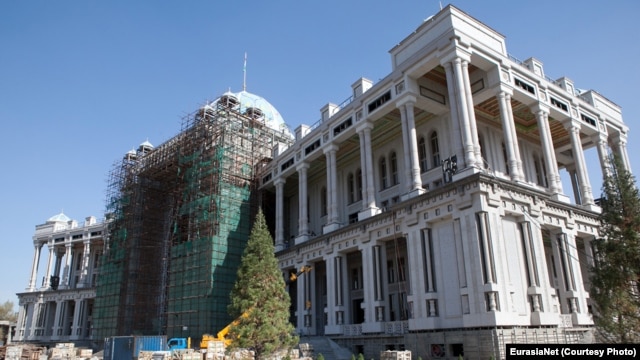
(244, 71)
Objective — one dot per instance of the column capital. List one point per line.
(456, 55)
(406, 98)
(572, 125)
(505, 93)
(540, 107)
(364, 125)
(302, 166)
(279, 181)
(329, 148)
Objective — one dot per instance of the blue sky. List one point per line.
(82, 82)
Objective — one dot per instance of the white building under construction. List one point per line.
(58, 306)
(430, 204)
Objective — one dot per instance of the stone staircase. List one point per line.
(325, 346)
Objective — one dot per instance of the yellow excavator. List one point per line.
(222, 334)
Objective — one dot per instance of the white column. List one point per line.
(581, 166)
(279, 183)
(363, 165)
(463, 113)
(332, 188)
(406, 150)
(550, 162)
(416, 179)
(510, 140)
(303, 225)
(84, 272)
(621, 147)
(603, 154)
(64, 284)
(369, 207)
(456, 137)
(47, 276)
(472, 115)
(34, 267)
(371, 198)
(514, 136)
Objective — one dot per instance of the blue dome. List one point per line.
(248, 102)
(60, 218)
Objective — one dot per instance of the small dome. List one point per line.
(256, 107)
(59, 218)
(146, 143)
(145, 147)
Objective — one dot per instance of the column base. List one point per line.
(561, 197)
(367, 213)
(330, 227)
(592, 207)
(300, 239)
(465, 173)
(413, 193)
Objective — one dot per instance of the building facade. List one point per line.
(180, 215)
(431, 204)
(58, 308)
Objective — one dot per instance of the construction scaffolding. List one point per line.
(179, 219)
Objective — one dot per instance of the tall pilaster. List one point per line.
(303, 225)
(573, 128)
(279, 184)
(553, 175)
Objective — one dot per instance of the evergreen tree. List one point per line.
(616, 274)
(259, 299)
(7, 313)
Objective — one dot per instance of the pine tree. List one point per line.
(616, 274)
(259, 299)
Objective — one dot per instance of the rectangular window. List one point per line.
(559, 104)
(379, 101)
(523, 85)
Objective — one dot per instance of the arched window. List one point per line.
(422, 154)
(359, 184)
(351, 185)
(384, 181)
(435, 149)
(394, 168)
(323, 201)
